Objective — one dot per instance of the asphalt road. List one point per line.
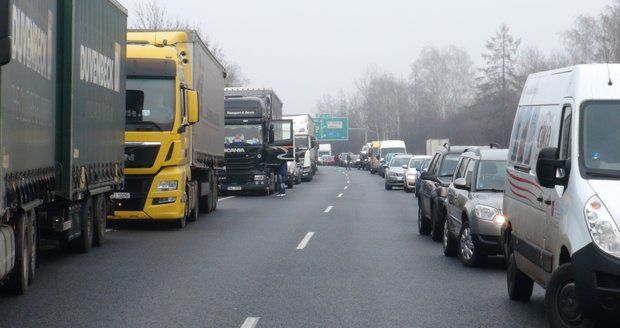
(275, 262)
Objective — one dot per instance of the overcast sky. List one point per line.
(304, 49)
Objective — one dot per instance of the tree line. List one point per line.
(447, 96)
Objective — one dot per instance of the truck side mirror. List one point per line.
(192, 103)
(5, 39)
(547, 168)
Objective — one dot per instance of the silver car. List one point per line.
(415, 165)
(394, 172)
(473, 226)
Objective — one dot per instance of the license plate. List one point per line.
(399, 178)
(121, 195)
(234, 188)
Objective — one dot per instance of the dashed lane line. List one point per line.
(304, 242)
(329, 208)
(339, 195)
(250, 322)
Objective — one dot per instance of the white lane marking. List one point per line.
(305, 241)
(346, 187)
(339, 195)
(329, 208)
(250, 322)
(109, 230)
(225, 198)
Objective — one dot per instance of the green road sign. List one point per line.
(325, 115)
(332, 128)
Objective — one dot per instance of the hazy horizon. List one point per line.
(305, 49)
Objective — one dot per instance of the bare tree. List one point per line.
(150, 15)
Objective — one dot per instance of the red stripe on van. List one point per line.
(525, 180)
(522, 196)
(521, 188)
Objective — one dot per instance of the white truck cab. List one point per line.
(561, 194)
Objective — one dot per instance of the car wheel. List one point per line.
(519, 285)
(449, 245)
(468, 252)
(423, 224)
(561, 302)
(388, 187)
(436, 226)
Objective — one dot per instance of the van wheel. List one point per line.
(84, 242)
(100, 220)
(18, 279)
(468, 253)
(423, 224)
(449, 245)
(561, 302)
(519, 284)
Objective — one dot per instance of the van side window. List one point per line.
(565, 134)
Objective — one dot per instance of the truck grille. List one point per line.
(138, 188)
(141, 155)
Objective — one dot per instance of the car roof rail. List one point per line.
(447, 146)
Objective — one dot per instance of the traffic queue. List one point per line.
(546, 203)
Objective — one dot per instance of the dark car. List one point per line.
(418, 180)
(434, 189)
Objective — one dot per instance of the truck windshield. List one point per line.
(600, 137)
(150, 104)
(301, 142)
(491, 176)
(250, 134)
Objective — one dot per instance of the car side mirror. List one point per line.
(428, 176)
(5, 39)
(192, 103)
(378, 157)
(547, 168)
(461, 183)
(405, 166)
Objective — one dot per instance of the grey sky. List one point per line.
(304, 49)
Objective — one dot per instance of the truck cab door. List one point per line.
(281, 145)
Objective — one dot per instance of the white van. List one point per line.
(562, 195)
(391, 146)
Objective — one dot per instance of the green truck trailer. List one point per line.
(62, 96)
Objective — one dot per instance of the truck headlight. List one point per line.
(260, 177)
(167, 185)
(602, 228)
(486, 213)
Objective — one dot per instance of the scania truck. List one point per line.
(174, 128)
(257, 141)
(62, 97)
(305, 144)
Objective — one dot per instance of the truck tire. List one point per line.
(561, 302)
(101, 217)
(180, 223)
(214, 195)
(84, 242)
(33, 234)
(519, 285)
(18, 279)
(192, 197)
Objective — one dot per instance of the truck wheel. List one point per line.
(100, 220)
(18, 279)
(423, 224)
(561, 302)
(181, 223)
(33, 235)
(449, 244)
(214, 195)
(192, 193)
(519, 285)
(84, 242)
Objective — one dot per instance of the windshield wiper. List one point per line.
(602, 175)
(491, 190)
(141, 125)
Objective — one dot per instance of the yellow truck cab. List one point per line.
(373, 157)
(174, 128)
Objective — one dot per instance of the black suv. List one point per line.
(434, 189)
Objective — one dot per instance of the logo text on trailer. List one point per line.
(99, 69)
(32, 46)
